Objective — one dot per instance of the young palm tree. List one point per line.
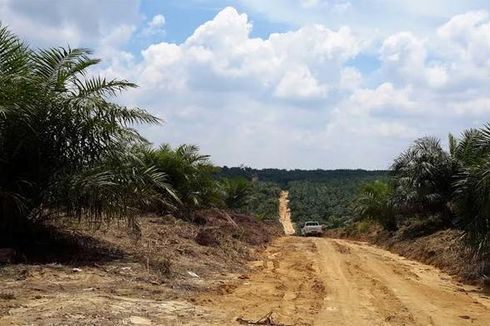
(423, 179)
(472, 184)
(237, 192)
(374, 203)
(59, 129)
(190, 173)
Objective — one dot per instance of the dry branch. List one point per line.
(265, 320)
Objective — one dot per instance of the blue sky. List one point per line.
(284, 83)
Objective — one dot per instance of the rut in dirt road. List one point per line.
(317, 281)
(285, 213)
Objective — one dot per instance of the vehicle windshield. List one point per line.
(311, 223)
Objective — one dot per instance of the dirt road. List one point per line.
(285, 214)
(316, 281)
(303, 281)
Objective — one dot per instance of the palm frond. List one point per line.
(54, 67)
(453, 144)
(483, 138)
(100, 87)
(14, 54)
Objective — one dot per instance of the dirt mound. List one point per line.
(445, 250)
(218, 226)
(217, 241)
(205, 238)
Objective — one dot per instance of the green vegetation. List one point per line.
(322, 195)
(284, 177)
(422, 179)
(237, 192)
(326, 202)
(67, 149)
(264, 202)
(61, 138)
(431, 189)
(374, 204)
(471, 188)
(190, 174)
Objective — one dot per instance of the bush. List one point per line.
(363, 227)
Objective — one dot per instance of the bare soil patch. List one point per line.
(318, 281)
(106, 276)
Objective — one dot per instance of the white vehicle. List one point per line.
(311, 228)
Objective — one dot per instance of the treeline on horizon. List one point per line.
(283, 176)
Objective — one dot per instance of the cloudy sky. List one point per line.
(284, 83)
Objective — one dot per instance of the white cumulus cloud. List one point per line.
(326, 92)
(221, 56)
(299, 90)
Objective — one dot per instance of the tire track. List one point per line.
(317, 281)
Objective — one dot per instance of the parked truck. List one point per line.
(311, 228)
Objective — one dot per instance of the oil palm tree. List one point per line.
(374, 202)
(190, 173)
(472, 199)
(423, 179)
(58, 127)
(237, 192)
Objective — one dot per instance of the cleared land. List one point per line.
(302, 281)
